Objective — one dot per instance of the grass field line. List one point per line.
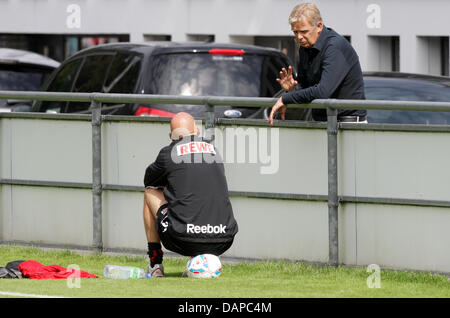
(12, 294)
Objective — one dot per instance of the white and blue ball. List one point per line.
(204, 266)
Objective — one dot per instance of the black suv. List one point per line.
(201, 69)
(407, 87)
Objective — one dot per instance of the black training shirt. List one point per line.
(329, 69)
(195, 187)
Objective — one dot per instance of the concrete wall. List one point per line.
(373, 163)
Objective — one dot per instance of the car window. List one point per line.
(205, 74)
(270, 88)
(270, 72)
(123, 74)
(431, 93)
(62, 82)
(91, 79)
(13, 78)
(408, 117)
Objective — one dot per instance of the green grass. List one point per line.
(243, 280)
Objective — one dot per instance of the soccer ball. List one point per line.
(204, 266)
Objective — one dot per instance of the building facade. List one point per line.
(388, 35)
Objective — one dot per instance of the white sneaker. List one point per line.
(156, 271)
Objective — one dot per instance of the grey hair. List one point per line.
(307, 11)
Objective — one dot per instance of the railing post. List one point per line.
(97, 240)
(333, 199)
(210, 122)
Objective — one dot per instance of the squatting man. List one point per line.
(186, 203)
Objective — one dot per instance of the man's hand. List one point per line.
(278, 107)
(286, 80)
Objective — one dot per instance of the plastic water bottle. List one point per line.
(124, 272)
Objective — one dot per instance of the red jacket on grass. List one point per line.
(35, 270)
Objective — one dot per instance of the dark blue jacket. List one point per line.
(329, 69)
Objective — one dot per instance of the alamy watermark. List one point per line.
(74, 279)
(374, 279)
(373, 20)
(73, 20)
(242, 145)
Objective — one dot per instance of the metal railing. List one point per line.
(332, 105)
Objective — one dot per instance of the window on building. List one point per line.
(58, 46)
(432, 55)
(157, 37)
(201, 37)
(445, 58)
(384, 53)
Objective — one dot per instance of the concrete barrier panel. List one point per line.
(48, 215)
(123, 221)
(128, 148)
(51, 150)
(394, 164)
(280, 229)
(403, 237)
(301, 155)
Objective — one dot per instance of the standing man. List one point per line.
(328, 68)
(186, 204)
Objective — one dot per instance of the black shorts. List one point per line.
(178, 246)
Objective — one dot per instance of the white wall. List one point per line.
(233, 20)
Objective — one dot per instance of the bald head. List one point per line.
(182, 125)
